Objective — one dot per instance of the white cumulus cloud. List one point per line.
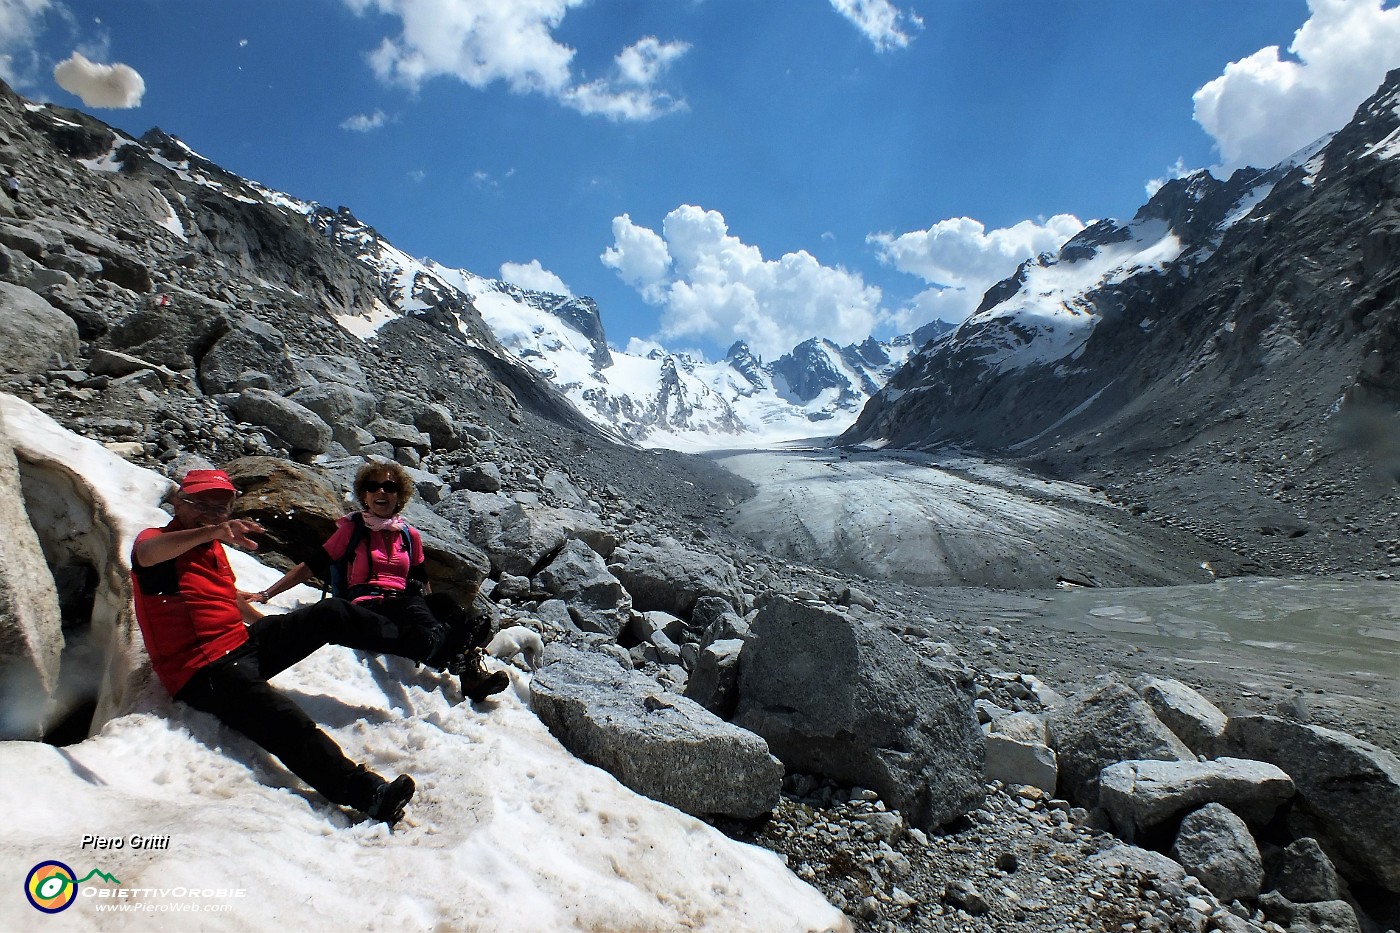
(883, 23)
(115, 86)
(640, 257)
(19, 24)
(711, 285)
(962, 259)
(1178, 169)
(630, 93)
(481, 42)
(1265, 107)
(364, 122)
(533, 277)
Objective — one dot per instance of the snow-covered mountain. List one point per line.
(643, 392)
(1060, 342)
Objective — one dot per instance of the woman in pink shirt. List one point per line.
(381, 559)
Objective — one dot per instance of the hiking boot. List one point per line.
(390, 798)
(478, 683)
(457, 631)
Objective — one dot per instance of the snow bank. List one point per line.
(508, 831)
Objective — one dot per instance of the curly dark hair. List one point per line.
(393, 471)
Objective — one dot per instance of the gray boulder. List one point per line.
(1024, 727)
(1141, 795)
(1142, 862)
(33, 333)
(437, 422)
(1195, 720)
(597, 601)
(399, 434)
(714, 682)
(480, 477)
(118, 364)
(31, 243)
(661, 745)
(510, 586)
(671, 577)
(555, 612)
(643, 624)
(173, 334)
(558, 484)
(714, 619)
(342, 407)
(1321, 917)
(119, 264)
(1349, 788)
(516, 536)
(343, 370)
(1305, 873)
(851, 701)
(296, 424)
(1105, 724)
(1015, 760)
(454, 566)
(1215, 845)
(249, 345)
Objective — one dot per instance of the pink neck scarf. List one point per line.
(375, 523)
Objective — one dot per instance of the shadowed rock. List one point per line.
(1350, 789)
(1214, 844)
(850, 701)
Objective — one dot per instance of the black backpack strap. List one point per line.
(340, 569)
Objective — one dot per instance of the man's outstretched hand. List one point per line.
(235, 531)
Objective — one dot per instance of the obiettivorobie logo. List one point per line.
(52, 886)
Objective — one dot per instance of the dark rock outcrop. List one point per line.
(836, 697)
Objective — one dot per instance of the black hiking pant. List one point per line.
(436, 618)
(234, 689)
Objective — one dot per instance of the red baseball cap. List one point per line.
(197, 481)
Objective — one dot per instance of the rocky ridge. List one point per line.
(1225, 363)
(221, 340)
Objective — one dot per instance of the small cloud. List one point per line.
(115, 86)
(242, 43)
(1176, 170)
(488, 182)
(417, 175)
(1263, 108)
(512, 42)
(629, 93)
(880, 21)
(640, 258)
(962, 259)
(364, 123)
(534, 277)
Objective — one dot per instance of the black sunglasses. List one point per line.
(389, 486)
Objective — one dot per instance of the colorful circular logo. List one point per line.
(51, 887)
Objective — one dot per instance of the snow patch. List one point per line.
(508, 831)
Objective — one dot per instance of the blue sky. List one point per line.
(711, 170)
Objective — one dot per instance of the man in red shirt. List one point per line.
(193, 621)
